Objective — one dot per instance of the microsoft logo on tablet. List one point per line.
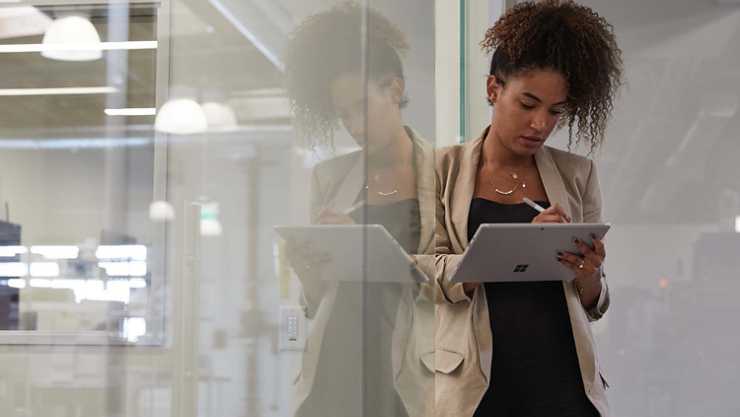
(521, 268)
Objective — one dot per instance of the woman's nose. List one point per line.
(538, 123)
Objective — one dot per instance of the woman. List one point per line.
(526, 349)
(360, 331)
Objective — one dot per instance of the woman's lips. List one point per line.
(532, 141)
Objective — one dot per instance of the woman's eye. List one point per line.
(527, 106)
(556, 112)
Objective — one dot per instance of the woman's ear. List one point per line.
(397, 89)
(494, 87)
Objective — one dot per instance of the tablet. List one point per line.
(352, 246)
(511, 252)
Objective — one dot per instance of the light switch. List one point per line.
(293, 329)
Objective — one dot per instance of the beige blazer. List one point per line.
(337, 183)
(463, 333)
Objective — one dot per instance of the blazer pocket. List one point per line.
(446, 361)
(427, 358)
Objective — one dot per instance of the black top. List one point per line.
(402, 219)
(535, 368)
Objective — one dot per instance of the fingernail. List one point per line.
(560, 253)
(576, 240)
(593, 236)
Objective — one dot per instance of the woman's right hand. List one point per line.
(554, 214)
(307, 265)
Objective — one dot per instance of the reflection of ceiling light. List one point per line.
(40, 283)
(133, 252)
(75, 47)
(160, 211)
(131, 112)
(17, 283)
(181, 115)
(19, 21)
(211, 227)
(72, 29)
(209, 224)
(219, 116)
(124, 269)
(56, 91)
(737, 224)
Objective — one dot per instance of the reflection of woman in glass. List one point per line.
(360, 331)
(526, 348)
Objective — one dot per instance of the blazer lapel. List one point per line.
(425, 189)
(465, 187)
(551, 179)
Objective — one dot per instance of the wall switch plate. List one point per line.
(293, 329)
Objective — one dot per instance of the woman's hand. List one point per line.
(587, 268)
(554, 214)
(306, 264)
(330, 215)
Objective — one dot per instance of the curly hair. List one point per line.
(329, 45)
(571, 39)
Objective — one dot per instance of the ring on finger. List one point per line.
(581, 265)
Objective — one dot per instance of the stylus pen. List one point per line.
(534, 205)
(354, 207)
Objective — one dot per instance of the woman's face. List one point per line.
(383, 114)
(527, 109)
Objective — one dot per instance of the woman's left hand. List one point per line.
(587, 266)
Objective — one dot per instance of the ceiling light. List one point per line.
(57, 252)
(209, 224)
(131, 112)
(160, 211)
(72, 29)
(181, 115)
(56, 91)
(220, 116)
(77, 46)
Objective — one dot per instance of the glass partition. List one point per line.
(217, 208)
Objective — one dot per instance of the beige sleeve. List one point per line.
(593, 212)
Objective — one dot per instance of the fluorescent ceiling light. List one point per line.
(133, 252)
(88, 46)
(132, 112)
(56, 91)
(13, 269)
(56, 252)
(44, 269)
(12, 251)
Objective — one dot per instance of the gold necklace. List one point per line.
(513, 174)
(377, 178)
(523, 183)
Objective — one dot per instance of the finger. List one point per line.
(572, 259)
(569, 265)
(585, 250)
(591, 258)
(549, 218)
(556, 209)
(598, 246)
